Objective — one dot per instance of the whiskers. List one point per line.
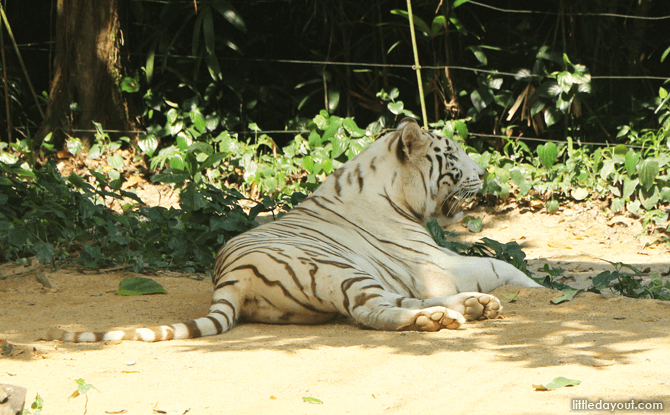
(455, 200)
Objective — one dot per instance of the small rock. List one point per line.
(12, 399)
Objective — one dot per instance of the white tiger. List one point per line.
(357, 247)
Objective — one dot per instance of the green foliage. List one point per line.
(6, 348)
(634, 176)
(616, 281)
(509, 252)
(63, 221)
(474, 224)
(82, 388)
(36, 406)
(630, 285)
(256, 165)
(550, 280)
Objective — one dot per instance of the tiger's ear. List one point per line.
(405, 121)
(413, 142)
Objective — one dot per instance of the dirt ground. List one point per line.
(617, 347)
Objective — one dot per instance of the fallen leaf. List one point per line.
(602, 364)
(132, 181)
(139, 286)
(567, 295)
(559, 382)
(309, 399)
(510, 298)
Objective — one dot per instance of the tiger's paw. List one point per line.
(436, 318)
(474, 306)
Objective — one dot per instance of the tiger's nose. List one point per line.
(481, 172)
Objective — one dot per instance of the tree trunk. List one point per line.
(87, 71)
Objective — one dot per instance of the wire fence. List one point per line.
(40, 46)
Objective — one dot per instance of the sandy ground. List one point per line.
(617, 347)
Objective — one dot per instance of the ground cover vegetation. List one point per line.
(221, 112)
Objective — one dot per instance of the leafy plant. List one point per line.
(36, 406)
(630, 285)
(617, 281)
(82, 389)
(6, 348)
(257, 166)
(63, 221)
(550, 280)
(509, 252)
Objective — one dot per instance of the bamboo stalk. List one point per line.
(417, 66)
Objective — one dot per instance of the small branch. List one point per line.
(18, 55)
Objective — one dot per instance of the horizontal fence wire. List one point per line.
(499, 9)
(624, 16)
(578, 143)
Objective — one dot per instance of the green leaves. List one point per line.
(630, 161)
(567, 295)
(630, 285)
(205, 24)
(509, 252)
(474, 224)
(558, 91)
(436, 27)
(548, 154)
(70, 220)
(519, 179)
(648, 170)
(130, 84)
(82, 388)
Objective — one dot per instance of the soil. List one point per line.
(616, 347)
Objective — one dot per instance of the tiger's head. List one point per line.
(438, 174)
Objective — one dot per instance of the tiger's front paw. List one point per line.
(436, 318)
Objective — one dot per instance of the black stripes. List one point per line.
(217, 325)
(225, 284)
(361, 297)
(226, 303)
(193, 329)
(278, 284)
(400, 152)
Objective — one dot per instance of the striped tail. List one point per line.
(216, 322)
